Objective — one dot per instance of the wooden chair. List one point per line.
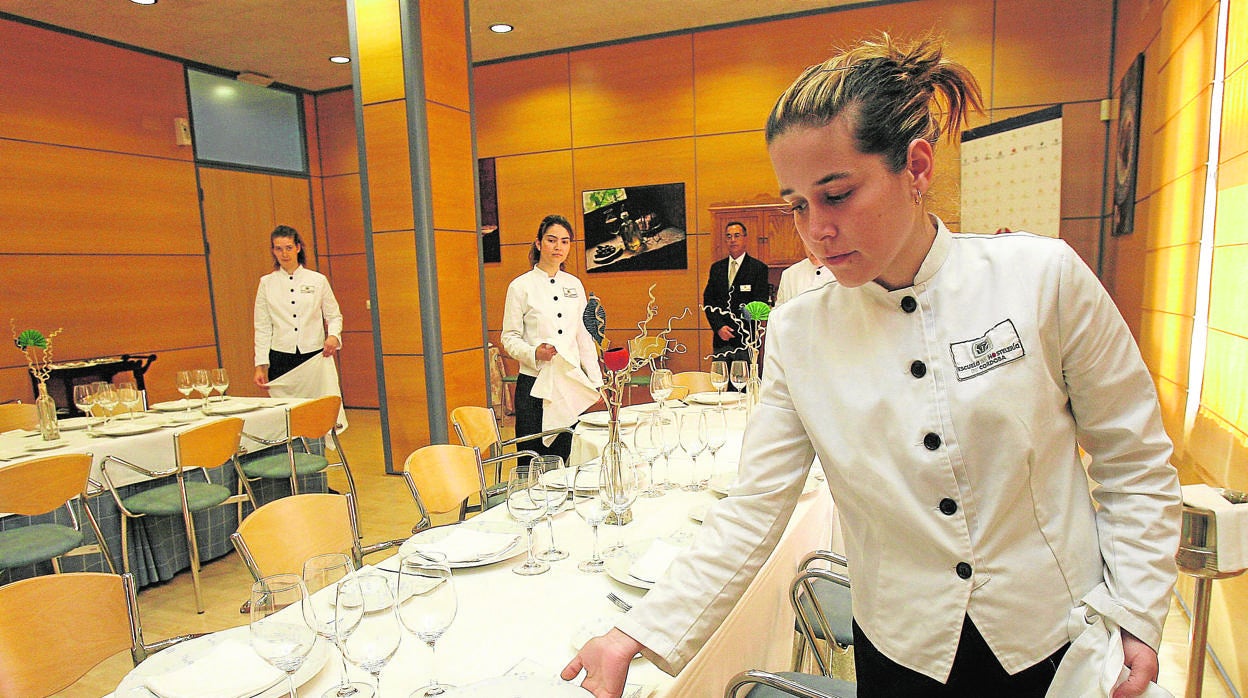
(649, 348)
(764, 684)
(18, 415)
(279, 536)
(56, 628)
(821, 604)
(686, 383)
(478, 427)
(40, 486)
(313, 419)
(442, 477)
(199, 449)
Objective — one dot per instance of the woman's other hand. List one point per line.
(544, 352)
(1142, 661)
(331, 346)
(262, 376)
(605, 661)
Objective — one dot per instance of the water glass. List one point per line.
(618, 484)
(591, 507)
(719, 377)
(186, 385)
(220, 379)
(668, 430)
(647, 443)
(106, 398)
(716, 433)
(202, 383)
(661, 385)
(555, 481)
(281, 638)
(367, 623)
(427, 605)
(129, 397)
(526, 502)
(84, 398)
(693, 443)
(739, 374)
(322, 575)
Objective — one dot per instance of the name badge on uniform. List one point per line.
(569, 292)
(997, 347)
(745, 287)
(307, 288)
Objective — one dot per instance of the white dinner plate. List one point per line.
(602, 418)
(41, 445)
(216, 409)
(433, 535)
(184, 653)
(619, 563)
(128, 427)
(74, 423)
(699, 512)
(726, 398)
(176, 405)
(563, 476)
(520, 687)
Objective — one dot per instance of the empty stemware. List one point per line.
(716, 433)
(618, 485)
(367, 623)
(526, 502)
(693, 443)
(427, 605)
(279, 637)
(186, 385)
(326, 572)
(220, 380)
(661, 385)
(106, 398)
(202, 383)
(591, 507)
(555, 481)
(669, 438)
(129, 397)
(84, 398)
(719, 379)
(648, 444)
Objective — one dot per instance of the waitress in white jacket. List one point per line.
(296, 314)
(543, 315)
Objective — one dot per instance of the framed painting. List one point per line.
(1126, 164)
(634, 228)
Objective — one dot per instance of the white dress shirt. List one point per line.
(295, 312)
(946, 417)
(800, 277)
(547, 309)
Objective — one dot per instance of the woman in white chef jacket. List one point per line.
(296, 314)
(544, 310)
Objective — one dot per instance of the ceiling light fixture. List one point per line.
(143, 2)
(339, 59)
(501, 28)
(254, 78)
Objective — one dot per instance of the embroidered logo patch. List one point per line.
(307, 288)
(569, 292)
(999, 345)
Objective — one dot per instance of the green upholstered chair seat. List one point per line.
(834, 600)
(277, 466)
(30, 544)
(833, 688)
(167, 500)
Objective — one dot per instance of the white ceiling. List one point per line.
(291, 40)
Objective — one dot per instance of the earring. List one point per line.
(918, 197)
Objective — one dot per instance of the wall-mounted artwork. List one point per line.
(1125, 164)
(635, 228)
(487, 185)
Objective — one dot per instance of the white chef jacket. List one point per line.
(800, 277)
(547, 309)
(946, 417)
(295, 312)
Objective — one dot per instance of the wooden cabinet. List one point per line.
(773, 237)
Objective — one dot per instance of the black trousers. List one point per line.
(976, 672)
(529, 421)
(281, 363)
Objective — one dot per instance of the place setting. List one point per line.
(469, 544)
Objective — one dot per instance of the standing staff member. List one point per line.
(946, 383)
(734, 281)
(543, 315)
(296, 315)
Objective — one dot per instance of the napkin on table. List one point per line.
(654, 562)
(470, 545)
(231, 668)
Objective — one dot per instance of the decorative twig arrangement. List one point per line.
(751, 327)
(36, 348)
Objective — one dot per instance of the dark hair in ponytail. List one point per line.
(285, 231)
(535, 255)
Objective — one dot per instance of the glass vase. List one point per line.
(46, 407)
(615, 454)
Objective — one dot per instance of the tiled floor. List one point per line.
(386, 512)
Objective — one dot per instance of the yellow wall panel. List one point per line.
(1175, 221)
(1179, 19)
(350, 282)
(1235, 116)
(1026, 71)
(445, 52)
(632, 92)
(733, 168)
(465, 381)
(338, 146)
(1232, 214)
(452, 171)
(1181, 145)
(381, 50)
(530, 187)
(522, 106)
(344, 214)
(1170, 275)
(1187, 72)
(1173, 335)
(1237, 37)
(357, 368)
(1227, 310)
(1226, 364)
(398, 298)
(389, 169)
(459, 295)
(406, 406)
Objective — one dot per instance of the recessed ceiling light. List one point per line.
(501, 28)
(339, 59)
(143, 2)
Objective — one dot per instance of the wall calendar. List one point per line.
(1012, 175)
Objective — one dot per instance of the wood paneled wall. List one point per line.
(690, 108)
(99, 211)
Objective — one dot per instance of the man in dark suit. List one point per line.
(734, 281)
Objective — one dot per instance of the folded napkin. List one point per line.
(316, 377)
(21, 432)
(230, 670)
(1232, 524)
(655, 561)
(470, 545)
(565, 392)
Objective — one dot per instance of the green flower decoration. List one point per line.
(31, 338)
(757, 311)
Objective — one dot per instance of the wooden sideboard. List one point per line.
(773, 238)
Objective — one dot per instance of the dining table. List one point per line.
(510, 627)
(158, 548)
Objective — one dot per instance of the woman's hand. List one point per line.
(1142, 661)
(331, 346)
(262, 376)
(605, 661)
(544, 352)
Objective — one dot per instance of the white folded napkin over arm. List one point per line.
(316, 377)
(653, 563)
(232, 670)
(565, 391)
(470, 545)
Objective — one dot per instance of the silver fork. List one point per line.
(621, 603)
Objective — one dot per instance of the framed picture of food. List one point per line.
(635, 228)
(1126, 163)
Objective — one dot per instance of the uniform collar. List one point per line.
(932, 263)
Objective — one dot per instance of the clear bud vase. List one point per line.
(46, 408)
(615, 455)
(752, 387)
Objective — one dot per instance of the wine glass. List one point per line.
(526, 502)
(220, 380)
(129, 397)
(106, 398)
(326, 572)
(367, 623)
(591, 507)
(716, 433)
(427, 605)
(648, 444)
(186, 386)
(618, 485)
(668, 432)
(660, 385)
(693, 443)
(280, 638)
(84, 398)
(719, 378)
(739, 375)
(554, 480)
(202, 382)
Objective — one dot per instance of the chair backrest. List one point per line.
(314, 418)
(279, 536)
(56, 628)
(647, 347)
(476, 426)
(695, 381)
(209, 445)
(40, 485)
(443, 476)
(821, 602)
(18, 415)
